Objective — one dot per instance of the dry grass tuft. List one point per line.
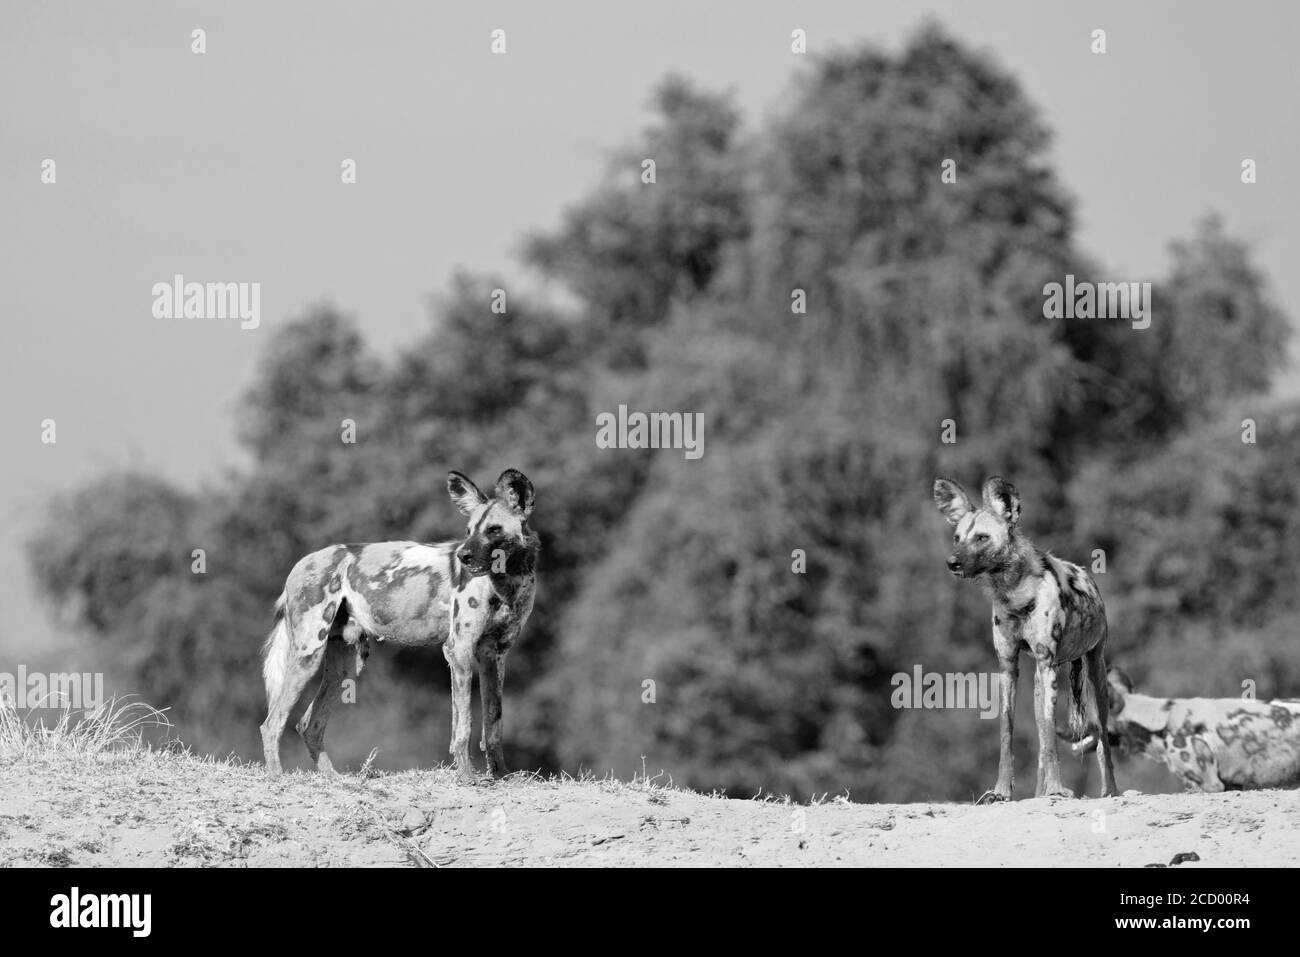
(114, 726)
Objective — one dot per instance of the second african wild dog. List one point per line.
(1041, 604)
(1211, 744)
(472, 597)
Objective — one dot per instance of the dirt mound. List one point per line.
(154, 808)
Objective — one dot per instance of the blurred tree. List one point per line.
(634, 246)
(317, 371)
(1202, 534)
(1215, 335)
(106, 543)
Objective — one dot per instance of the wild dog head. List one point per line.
(497, 537)
(984, 539)
(1130, 728)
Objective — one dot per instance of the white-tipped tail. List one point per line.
(275, 652)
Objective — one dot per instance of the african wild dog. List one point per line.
(1212, 744)
(1041, 604)
(471, 597)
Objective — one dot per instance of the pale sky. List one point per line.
(225, 167)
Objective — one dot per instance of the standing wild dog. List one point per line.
(472, 597)
(1043, 605)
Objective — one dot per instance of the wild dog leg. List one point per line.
(1096, 668)
(491, 687)
(341, 658)
(1038, 710)
(1006, 723)
(459, 655)
(1049, 765)
(298, 671)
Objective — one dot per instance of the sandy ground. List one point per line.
(173, 809)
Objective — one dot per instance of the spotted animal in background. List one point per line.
(472, 597)
(1043, 605)
(1212, 744)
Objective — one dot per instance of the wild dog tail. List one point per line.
(275, 651)
(1085, 719)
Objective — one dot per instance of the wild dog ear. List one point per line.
(1001, 498)
(464, 493)
(951, 500)
(515, 490)
(1117, 677)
